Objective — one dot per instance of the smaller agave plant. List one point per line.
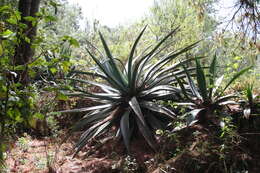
(130, 92)
(251, 105)
(204, 94)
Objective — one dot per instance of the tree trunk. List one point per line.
(24, 52)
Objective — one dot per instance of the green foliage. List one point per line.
(129, 93)
(2, 150)
(18, 103)
(206, 96)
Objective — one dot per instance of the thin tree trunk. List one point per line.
(24, 52)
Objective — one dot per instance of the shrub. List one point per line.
(204, 94)
(130, 93)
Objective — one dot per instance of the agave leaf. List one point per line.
(118, 133)
(114, 67)
(249, 94)
(192, 116)
(92, 117)
(87, 109)
(224, 98)
(184, 92)
(247, 113)
(159, 89)
(91, 132)
(90, 74)
(114, 96)
(98, 130)
(130, 59)
(147, 134)
(148, 56)
(175, 66)
(157, 66)
(166, 79)
(201, 81)
(212, 76)
(184, 104)
(237, 75)
(102, 86)
(114, 71)
(110, 79)
(160, 43)
(217, 85)
(160, 96)
(84, 140)
(102, 128)
(125, 129)
(158, 108)
(154, 122)
(99, 96)
(137, 110)
(192, 85)
(228, 102)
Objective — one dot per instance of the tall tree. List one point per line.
(24, 51)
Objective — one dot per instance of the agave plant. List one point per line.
(251, 105)
(204, 94)
(130, 92)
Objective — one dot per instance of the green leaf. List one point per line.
(184, 92)
(237, 75)
(92, 132)
(142, 62)
(130, 59)
(201, 81)
(61, 96)
(30, 18)
(53, 70)
(192, 116)
(71, 40)
(147, 134)
(74, 42)
(217, 85)
(110, 78)
(12, 20)
(156, 68)
(50, 18)
(1, 49)
(158, 108)
(114, 68)
(136, 108)
(212, 75)
(87, 108)
(65, 66)
(155, 123)
(27, 39)
(4, 8)
(249, 94)
(225, 98)
(38, 115)
(192, 85)
(92, 117)
(125, 129)
(6, 34)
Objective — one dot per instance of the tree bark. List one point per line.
(24, 51)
